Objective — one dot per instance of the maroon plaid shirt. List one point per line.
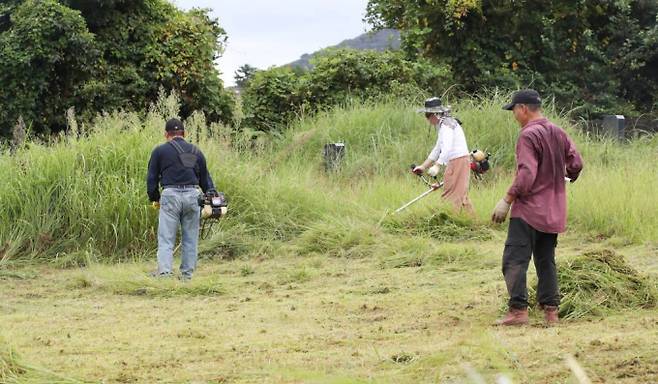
(544, 156)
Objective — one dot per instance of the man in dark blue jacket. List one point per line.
(180, 168)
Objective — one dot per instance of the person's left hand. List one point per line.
(155, 205)
(500, 212)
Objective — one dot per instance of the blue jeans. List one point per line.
(178, 207)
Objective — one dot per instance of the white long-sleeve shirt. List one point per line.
(450, 141)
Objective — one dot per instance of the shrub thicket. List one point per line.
(275, 96)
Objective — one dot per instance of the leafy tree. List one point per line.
(157, 46)
(182, 57)
(590, 52)
(244, 74)
(99, 55)
(45, 54)
(272, 98)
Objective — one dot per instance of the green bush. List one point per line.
(341, 74)
(274, 97)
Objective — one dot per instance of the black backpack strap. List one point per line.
(176, 146)
(187, 159)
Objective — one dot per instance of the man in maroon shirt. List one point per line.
(544, 156)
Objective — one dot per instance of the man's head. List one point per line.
(173, 128)
(526, 106)
(433, 110)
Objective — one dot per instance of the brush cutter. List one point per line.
(214, 205)
(479, 163)
(432, 187)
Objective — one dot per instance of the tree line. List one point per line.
(599, 56)
(103, 55)
(594, 57)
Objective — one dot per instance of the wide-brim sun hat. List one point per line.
(433, 105)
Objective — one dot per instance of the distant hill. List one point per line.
(378, 41)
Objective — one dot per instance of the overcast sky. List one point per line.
(264, 33)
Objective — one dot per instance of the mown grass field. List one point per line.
(311, 278)
(313, 319)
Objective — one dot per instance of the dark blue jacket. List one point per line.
(165, 168)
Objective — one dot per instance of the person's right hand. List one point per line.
(500, 212)
(155, 204)
(418, 170)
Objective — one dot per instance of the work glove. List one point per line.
(500, 212)
(418, 170)
(434, 170)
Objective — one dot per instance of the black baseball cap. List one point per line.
(174, 125)
(524, 96)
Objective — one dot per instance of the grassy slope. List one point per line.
(313, 293)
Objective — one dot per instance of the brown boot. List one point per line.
(550, 314)
(515, 316)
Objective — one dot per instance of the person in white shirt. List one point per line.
(451, 150)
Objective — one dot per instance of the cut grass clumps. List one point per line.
(597, 282)
(10, 366)
(130, 281)
(419, 251)
(602, 280)
(409, 253)
(238, 242)
(13, 370)
(338, 239)
(442, 226)
(229, 244)
(7, 274)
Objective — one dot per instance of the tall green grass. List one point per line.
(82, 197)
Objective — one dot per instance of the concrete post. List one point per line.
(615, 126)
(333, 153)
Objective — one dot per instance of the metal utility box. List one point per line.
(333, 153)
(615, 126)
